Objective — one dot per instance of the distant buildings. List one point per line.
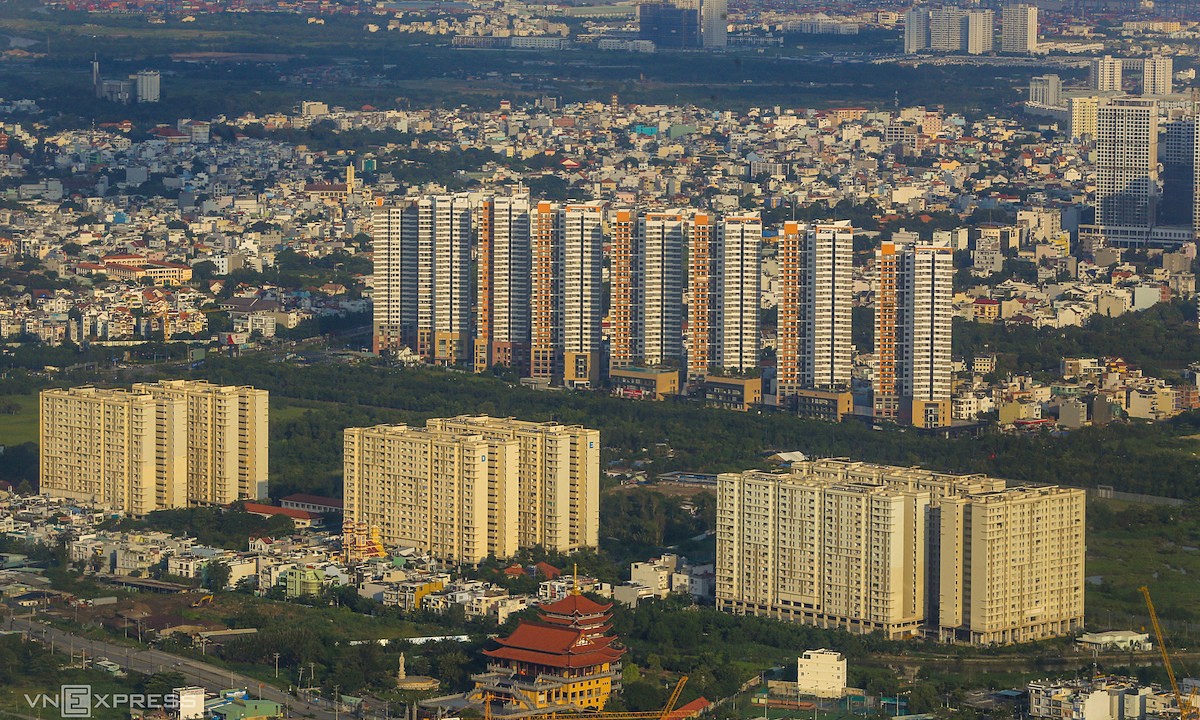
(813, 347)
(465, 488)
(1020, 31)
(913, 325)
(901, 551)
(1106, 74)
(145, 86)
(158, 446)
(1157, 74)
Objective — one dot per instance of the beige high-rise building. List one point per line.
(1020, 31)
(105, 448)
(901, 551)
(1011, 565)
(1157, 73)
(447, 493)
(467, 487)
(227, 435)
(159, 445)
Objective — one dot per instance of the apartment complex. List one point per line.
(157, 446)
(901, 551)
(913, 326)
(813, 350)
(535, 299)
(1020, 29)
(468, 487)
(1106, 74)
(1157, 73)
(425, 249)
(227, 430)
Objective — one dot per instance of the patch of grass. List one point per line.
(1134, 545)
(18, 419)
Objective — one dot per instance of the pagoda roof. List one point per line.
(533, 657)
(576, 605)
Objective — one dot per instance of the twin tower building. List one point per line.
(563, 293)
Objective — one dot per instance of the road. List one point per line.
(209, 676)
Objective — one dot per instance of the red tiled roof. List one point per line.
(554, 660)
(548, 570)
(690, 710)
(545, 638)
(576, 605)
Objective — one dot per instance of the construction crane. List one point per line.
(663, 714)
(1188, 709)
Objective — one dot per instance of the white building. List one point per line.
(147, 84)
(581, 305)
(821, 673)
(979, 31)
(813, 348)
(1020, 32)
(1045, 90)
(659, 303)
(916, 30)
(1106, 74)
(739, 242)
(1157, 73)
(714, 23)
(1126, 162)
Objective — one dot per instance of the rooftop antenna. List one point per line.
(896, 101)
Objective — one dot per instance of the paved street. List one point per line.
(200, 673)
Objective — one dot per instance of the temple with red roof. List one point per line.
(565, 660)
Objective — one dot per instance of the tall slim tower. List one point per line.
(916, 30)
(714, 23)
(913, 325)
(737, 342)
(581, 292)
(624, 302)
(661, 239)
(979, 30)
(926, 319)
(545, 237)
(1020, 32)
(702, 271)
(1127, 162)
(1157, 72)
(388, 301)
(439, 228)
(502, 307)
(813, 347)
(1106, 74)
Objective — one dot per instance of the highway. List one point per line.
(196, 672)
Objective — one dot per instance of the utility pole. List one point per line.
(276, 665)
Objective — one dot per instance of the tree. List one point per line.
(204, 270)
(216, 575)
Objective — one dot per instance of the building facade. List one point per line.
(813, 347)
(157, 446)
(913, 326)
(468, 487)
(1020, 31)
(901, 551)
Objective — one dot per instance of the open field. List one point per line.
(18, 419)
